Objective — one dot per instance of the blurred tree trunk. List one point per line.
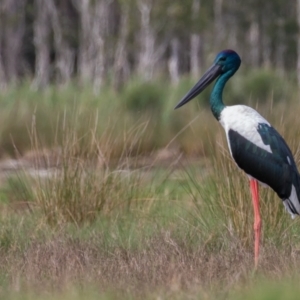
(219, 26)
(298, 42)
(146, 41)
(99, 29)
(195, 43)
(41, 42)
(254, 43)
(196, 55)
(47, 21)
(280, 49)
(64, 56)
(13, 32)
(173, 63)
(149, 53)
(85, 66)
(265, 44)
(121, 64)
(131, 36)
(2, 71)
(93, 28)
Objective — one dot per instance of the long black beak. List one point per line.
(210, 75)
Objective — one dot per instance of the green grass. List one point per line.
(126, 198)
(127, 122)
(172, 248)
(264, 290)
(188, 233)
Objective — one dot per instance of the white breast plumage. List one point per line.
(245, 121)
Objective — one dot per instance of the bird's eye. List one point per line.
(223, 58)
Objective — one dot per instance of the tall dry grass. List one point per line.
(97, 214)
(79, 179)
(146, 105)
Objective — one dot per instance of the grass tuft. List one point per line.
(117, 203)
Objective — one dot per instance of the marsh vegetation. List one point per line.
(119, 196)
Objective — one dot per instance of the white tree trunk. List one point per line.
(41, 29)
(121, 65)
(173, 63)
(265, 48)
(93, 28)
(64, 56)
(254, 42)
(99, 29)
(280, 49)
(219, 27)
(195, 43)
(2, 71)
(146, 41)
(85, 48)
(298, 42)
(195, 57)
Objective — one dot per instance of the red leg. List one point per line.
(257, 220)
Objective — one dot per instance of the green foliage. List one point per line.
(259, 86)
(262, 85)
(143, 96)
(270, 290)
(18, 189)
(137, 120)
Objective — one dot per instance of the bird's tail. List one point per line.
(292, 204)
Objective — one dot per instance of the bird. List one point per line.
(254, 144)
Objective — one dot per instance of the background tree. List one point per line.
(54, 41)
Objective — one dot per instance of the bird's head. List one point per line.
(226, 62)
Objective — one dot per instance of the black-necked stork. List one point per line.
(256, 147)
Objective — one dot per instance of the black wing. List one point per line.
(277, 169)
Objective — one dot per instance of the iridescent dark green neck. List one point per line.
(216, 102)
